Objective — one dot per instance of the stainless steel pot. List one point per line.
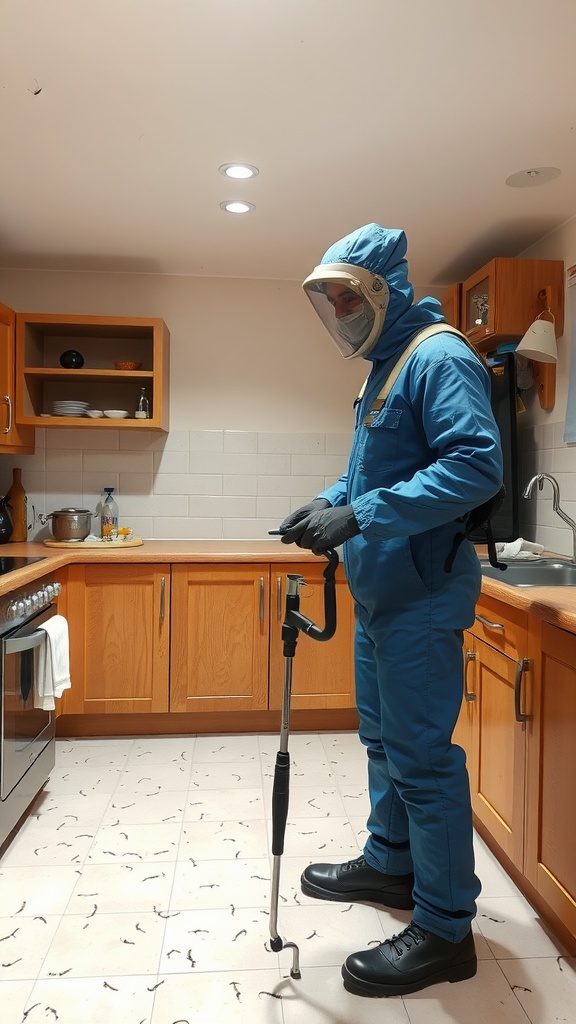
(69, 524)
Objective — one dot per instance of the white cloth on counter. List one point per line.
(52, 675)
(519, 549)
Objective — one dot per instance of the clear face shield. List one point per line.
(351, 303)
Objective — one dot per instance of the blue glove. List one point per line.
(302, 513)
(323, 529)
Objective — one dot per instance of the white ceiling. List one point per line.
(116, 114)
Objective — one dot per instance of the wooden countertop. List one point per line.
(186, 551)
(556, 605)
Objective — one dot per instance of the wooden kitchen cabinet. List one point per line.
(220, 634)
(227, 650)
(502, 299)
(41, 338)
(496, 690)
(14, 438)
(119, 623)
(322, 672)
(550, 860)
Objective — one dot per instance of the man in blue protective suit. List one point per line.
(421, 460)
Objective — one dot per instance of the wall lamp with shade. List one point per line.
(539, 346)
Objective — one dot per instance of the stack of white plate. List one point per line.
(70, 408)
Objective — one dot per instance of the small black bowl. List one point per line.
(71, 360)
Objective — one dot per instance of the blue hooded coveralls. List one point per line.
(430, 456)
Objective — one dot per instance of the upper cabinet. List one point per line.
(103, 342)
(14, 439)
(500, 301)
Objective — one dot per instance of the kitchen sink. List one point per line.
(545, 572)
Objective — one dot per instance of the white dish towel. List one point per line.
(52, 675)
(519, 549)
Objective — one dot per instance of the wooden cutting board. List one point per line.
(134, 542)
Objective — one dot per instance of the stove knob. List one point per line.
(20, 608)
(49, 591)
(57, 588)
(35, 602)
(11, 609)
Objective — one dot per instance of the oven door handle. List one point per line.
(24, 643)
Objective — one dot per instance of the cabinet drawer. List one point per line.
(502, 627)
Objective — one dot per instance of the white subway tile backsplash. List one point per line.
(170, 462)
(65, 482)
(312, 464)
(245, 484)
(189, 483)
(214, 506)
(241, 442)
(338, 444)
(206, 440)
(564, 459)
(305, 486)
(135, 483)
(180, 528)
(239, 484)
(542, 450)
(63, 460)
(152, 505)
(117, 461)
(291, 443)
(247, 529)
(274, 464)
(151, 440)
(222, 462)
(94, 483)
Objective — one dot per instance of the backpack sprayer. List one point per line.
(294, 622)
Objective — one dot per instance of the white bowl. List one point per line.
(116, 414)
(94, 414)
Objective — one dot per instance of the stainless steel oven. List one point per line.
(27, 733)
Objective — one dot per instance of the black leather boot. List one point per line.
(408, 962)
(356, 882)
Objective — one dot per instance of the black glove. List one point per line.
(324, 529)
(302, 513)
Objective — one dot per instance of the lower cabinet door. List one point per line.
(551, 791)
(499, 751)
(220, 633)
(119, 622)
(322, 671)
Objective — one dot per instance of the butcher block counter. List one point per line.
(556, 605)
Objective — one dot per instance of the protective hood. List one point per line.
(363, 296)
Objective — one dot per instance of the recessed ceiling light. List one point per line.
(238, 170)
(533, 176)
(237, 206)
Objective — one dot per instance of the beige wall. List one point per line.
(558, 245)
(245, 354)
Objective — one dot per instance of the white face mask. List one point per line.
(354, 328)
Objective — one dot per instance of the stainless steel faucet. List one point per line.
(539, 479)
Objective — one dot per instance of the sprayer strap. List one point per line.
(438, 328)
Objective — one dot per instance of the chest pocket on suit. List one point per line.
(379, 441)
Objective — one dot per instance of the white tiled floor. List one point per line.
(138, 892)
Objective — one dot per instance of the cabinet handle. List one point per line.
(278, 598)
(162, 598)
(486, 622)
(521, 668)
(261, 599)
(8, 403)
(469, 695)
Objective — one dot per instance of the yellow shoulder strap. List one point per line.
(438, 328)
